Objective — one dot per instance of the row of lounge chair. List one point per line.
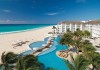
(20, 43)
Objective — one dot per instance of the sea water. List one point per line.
(8, 28)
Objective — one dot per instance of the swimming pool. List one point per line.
(49, 58)
(53, 61)
(37, 44)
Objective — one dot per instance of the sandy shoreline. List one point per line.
(7, 40)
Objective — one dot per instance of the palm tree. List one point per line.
(66, 39)
(19, 64)
(90, 54)
(78, 34)
(88, 57)
(77, 38)
(28, 62)
(68, 31)
(7, 60)
(87, 42)
(79, 63)
(87, 33)
(4, 64)
(72, 39)
(94, 59)
(87, 48)
(78, 45)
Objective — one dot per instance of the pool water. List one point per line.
(52, 60)
(38, 44)
(27, 52)
(49, 57)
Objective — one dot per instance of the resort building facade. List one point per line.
(91, 26)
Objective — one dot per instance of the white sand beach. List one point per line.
(7, 40)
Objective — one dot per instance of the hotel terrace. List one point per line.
(91, 26)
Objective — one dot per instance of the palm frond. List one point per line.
(72, 58)
(70, 66)
(1, 65)
(81, 63)
(3, 57)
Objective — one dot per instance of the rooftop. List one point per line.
(81, 22)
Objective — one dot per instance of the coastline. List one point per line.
(34, 35)
(2, 33)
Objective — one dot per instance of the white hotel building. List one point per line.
(91, 26)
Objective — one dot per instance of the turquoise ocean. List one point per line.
(9, 28)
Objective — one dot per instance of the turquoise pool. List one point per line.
(36, 45)
(39, 43)
(49, 58)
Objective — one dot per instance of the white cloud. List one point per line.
(51, 14)
(6, 11)
(15, 22)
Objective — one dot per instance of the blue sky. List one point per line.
(47, 11)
